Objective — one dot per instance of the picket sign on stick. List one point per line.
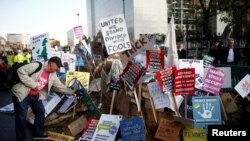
(175, 104)
(153, 109)
(112, 102)
(91, 73)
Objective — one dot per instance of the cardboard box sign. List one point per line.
(77, 126)
(229, 103)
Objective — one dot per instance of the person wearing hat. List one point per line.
(31, 91)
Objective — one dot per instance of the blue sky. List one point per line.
(38, 16)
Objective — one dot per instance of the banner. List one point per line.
(41, 50)
(115, 34)
(170, 43)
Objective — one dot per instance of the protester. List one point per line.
(31, 91)
(10, 58)
(3, 69)
(18, 58)
(27, 56)
(181, 51)
(215, 51)
(230, 55)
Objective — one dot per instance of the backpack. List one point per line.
(12, 77)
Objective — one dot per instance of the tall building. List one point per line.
(142, 16)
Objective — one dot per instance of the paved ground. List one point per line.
(7, 125)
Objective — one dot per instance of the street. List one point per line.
(7, 123)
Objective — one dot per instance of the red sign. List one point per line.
(184, 81)
(132, 73)
(155, 60)
(165, 78)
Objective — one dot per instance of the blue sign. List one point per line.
(79, 61)
(206, 111)
(133, 129)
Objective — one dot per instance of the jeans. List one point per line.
(21, 109)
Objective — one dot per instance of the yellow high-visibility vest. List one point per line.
(19, 58)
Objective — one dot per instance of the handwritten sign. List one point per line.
(160, 99)
(213, 80)
(184, 81)
(243, 87)
(138, 46)
(115, 34)
(107, 127)
(194, 134)
(168, 130)
(133, 129)
(155, 60)
(59, 137)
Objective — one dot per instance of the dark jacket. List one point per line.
(224, 56)
(181, 54)
(216, 53)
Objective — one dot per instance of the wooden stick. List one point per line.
(112, 102)
(207, 94)
(153, 109)
(140, 93)
(223, 109)
(137, 101)
(185, 98)
(236, 96)
(175, 104)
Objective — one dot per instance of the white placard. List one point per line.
(193, 63)
(115, 34)
(243, 87)
(41, 50)
(107, 128)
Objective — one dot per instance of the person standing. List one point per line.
(181, 51)
(230, 55)
(31, 91)
(215, 51)
(27, 56)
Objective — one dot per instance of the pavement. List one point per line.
(7, 123)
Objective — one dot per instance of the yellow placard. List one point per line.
(59, 137)
(83, 77)
(195, 134)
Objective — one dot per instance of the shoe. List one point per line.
(42, 137)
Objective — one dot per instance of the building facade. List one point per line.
(18, 41)
(142, 16)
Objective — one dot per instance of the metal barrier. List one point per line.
(237, 73)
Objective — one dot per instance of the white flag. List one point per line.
(170, 43)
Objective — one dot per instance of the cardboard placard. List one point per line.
(77, 126)
(59, 137)
(195, 134)
(168, 130)
(243, 87)
(184, 81)
(155, 60)
(83, 77)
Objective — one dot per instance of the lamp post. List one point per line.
(123, 5)
(78, 17)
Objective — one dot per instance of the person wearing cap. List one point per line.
(31, 91)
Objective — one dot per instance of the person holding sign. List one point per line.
(31, 91)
